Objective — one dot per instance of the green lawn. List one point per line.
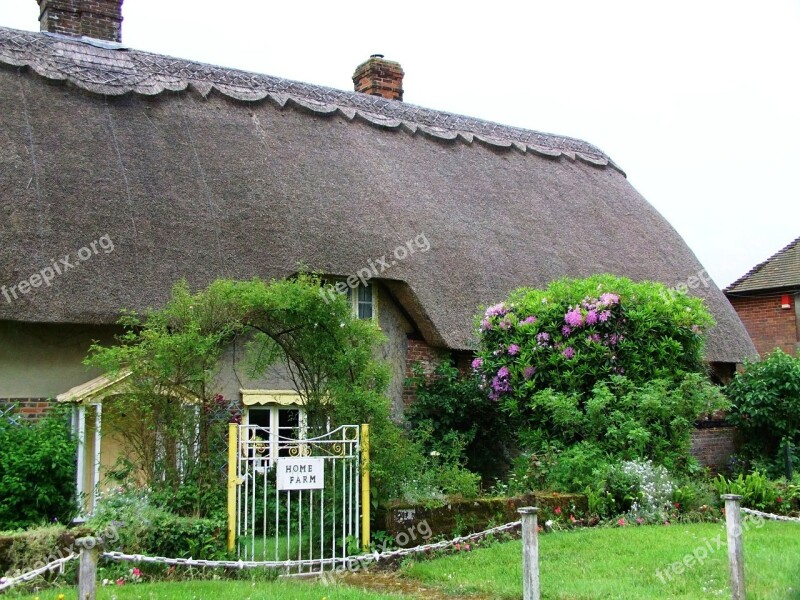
(623, 563)
(222, 590)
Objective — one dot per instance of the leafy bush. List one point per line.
(595, 372)
(141, 527)
(37, 472)
(765, 407)
(452, 417)
(756, 490)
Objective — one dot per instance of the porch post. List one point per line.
(81, 412)
(98, 440)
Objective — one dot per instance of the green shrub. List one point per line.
(765, 407)
(144, 528)
(756, 490)
(37, 472)
(452, 417)
(596, 371)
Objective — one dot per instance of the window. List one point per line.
(282, 417)
(363, 300)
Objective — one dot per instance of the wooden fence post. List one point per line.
(87, 569)
(530, 553)
(733, 524)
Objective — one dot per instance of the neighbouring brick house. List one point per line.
(766, 299)
(194, 171)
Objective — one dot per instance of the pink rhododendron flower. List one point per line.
(477, 363)
(604, 315)
(513, 349)
(528, 372)
(609, 298)
(574, 318)
(528, 320)
(591, 317)
(542, 337)
(566, 330)
(621, 522)
(568, 352)
(496, 310)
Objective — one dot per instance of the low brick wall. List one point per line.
(467, 516)
(713, 445)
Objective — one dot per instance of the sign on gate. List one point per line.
(301, 473)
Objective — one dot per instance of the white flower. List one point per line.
(548, 524)
(105, 581)
(435, 453)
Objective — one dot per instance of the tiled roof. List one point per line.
(780, 271)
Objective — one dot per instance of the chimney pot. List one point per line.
(379, 77)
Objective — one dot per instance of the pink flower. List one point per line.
(591, 317)
(458, 547)
(466, 547)
(502, 372)
(568, 352)
(528, 372)
(566, 330)
(542, 337)
(485, 325)
(603, 315)
(608, 298)
(497, 309)
(528, 320)
(574, 318)
(477, 363)
(120, 581)
(513, 349)
(557, 510)
(621, 523)
(640, 520)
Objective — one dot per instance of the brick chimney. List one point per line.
(379, 77)
(99, 19)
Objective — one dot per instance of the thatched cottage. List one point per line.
(123, 171)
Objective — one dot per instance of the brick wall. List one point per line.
(27, 408)
(418, 351)
(713, 446)
(769, 325)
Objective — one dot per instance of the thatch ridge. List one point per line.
(112, 69)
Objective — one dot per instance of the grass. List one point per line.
(221, 590)
(623, 563)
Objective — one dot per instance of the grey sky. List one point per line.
(698, 101)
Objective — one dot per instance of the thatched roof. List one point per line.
(781, 271)
(201, 172)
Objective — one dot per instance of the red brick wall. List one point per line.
(769, 325)
(418, 351)
(27, 408)
(713, 446)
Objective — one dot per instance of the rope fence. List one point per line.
(770, 516)
(9, 582)
(90, 552)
